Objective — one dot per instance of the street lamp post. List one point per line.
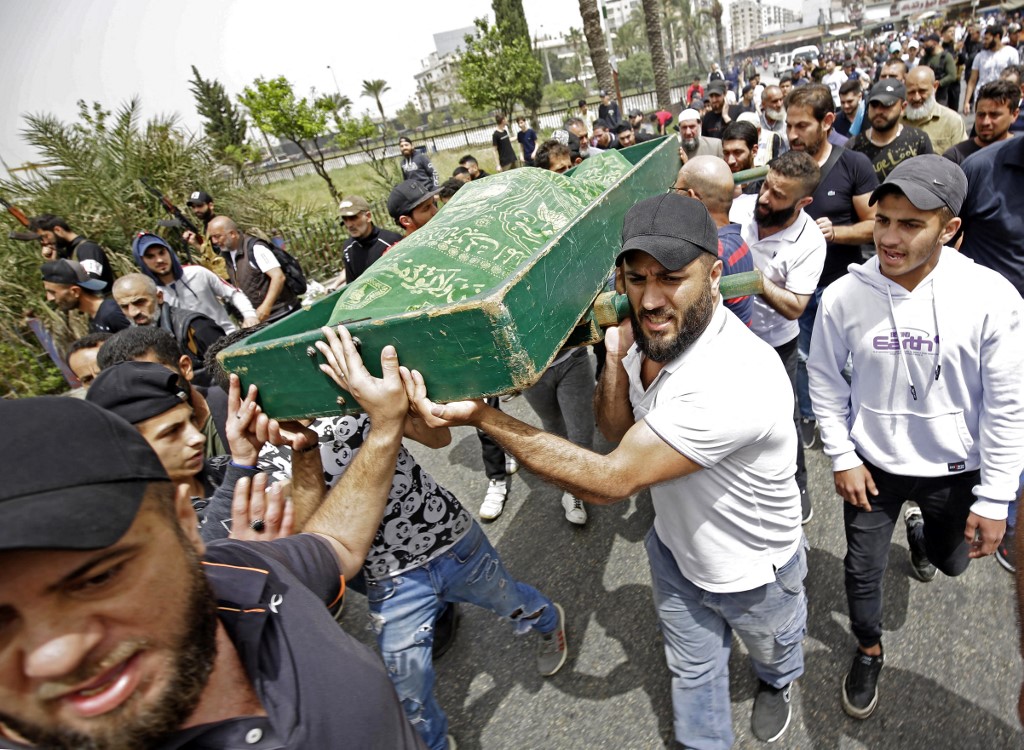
(336, 87)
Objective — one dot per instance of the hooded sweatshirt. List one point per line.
(938, 376)
(195, 287)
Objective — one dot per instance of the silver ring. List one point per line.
(257, 525)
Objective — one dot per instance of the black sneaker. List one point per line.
(1004, 552)
(809, 433)
(772, 711)
(444, 629)
(920, 565)
(806, 511)
(860, 688)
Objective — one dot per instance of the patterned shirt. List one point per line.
(909, 143)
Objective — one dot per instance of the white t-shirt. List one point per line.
(834, 80)
(991, 64)
(263, 256)
(792, 258)
(726, 403)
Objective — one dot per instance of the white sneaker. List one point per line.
(511, 465)
(494, 500)
(574, 510)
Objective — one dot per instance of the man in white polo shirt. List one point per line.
(789, 250)
(717, 451)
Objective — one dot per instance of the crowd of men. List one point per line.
(888, 241)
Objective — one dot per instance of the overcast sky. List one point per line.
(55, 52)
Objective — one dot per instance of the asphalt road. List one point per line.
(952, 666)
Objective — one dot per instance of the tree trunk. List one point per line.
(595, 42)
(716, 15)
(670, 33)
(318, 167)
(652, 21)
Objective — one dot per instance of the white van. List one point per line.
(808, 52)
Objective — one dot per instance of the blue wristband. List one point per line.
(243, 466)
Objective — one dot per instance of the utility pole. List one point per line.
(336, 87)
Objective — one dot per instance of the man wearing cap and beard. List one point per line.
(944, 127)
(70, 287)
(691, 142)
(717, 454)
(943, 67)
(369, 242)
(940, 424)
(716, 118)
(132, 633)
(888, 141)
(416, 166)
(411, 205)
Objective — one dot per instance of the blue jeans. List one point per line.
(697, 627)
(403, 610)
(803, 350)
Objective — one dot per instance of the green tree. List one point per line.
(652, 23)
(636, 72)
(375, 90)
(409, 116)
(224, 123)
(714, 13)
(575, 39)
(595, 43)
(362, 132)
(495, 73)
(276, 110)
(560, 93)
(510, 19)
(629, 37)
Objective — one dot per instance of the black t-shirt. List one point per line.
(962, 150)
(609, 113)
(93, 259)
(361, 254)
(909, 143)
(506, 154)
(735, 110)
(851, 175)
(712, 125)
(109, 318)
(320, 687)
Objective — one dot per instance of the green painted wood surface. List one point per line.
(480, 299)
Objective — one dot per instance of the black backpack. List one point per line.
(295, 279)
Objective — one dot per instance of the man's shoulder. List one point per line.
(388, 237)
(1011, 150)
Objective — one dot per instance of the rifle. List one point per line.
(208, 257)
(19, 215)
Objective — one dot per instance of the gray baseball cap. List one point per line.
(929, 182)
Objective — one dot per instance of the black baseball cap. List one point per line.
(673, 229)
(71, 273)
(717, 87)
(199, 198)
(137, 391)
(75, 488)
(887, 92)
(407, 196)
(928, 181)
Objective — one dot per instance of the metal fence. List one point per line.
(449, 139)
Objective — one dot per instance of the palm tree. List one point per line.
(595, 42)
(670, 14)
(652, 21)
(337, 102)
(575, 39)
(374, 90)
(694, 29)
(628, 38)
(715, 13)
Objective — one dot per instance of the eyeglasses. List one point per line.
(673, 189)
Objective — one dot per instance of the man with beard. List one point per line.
(945, 128)
(789, 251)
(369, 242)
(726, 550)
(1015, 75)
(69, 287)
(948, 36)
(850, 115)
(943, 66)
(131, 633)
(604, 138)
(415, 165)
(716, 118)
(691, 142)
(888, 141)
(58, 241)
(841, 211)
(998, 107)
(739, 149)
(936, 422)
(773, 118)
(989, 63)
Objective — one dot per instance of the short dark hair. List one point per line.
(131, 343)
(1014, 70)
(467, 159)
(815, 97)
(995, 30)
(47, 223)
(850, 87)
(895, 61)
(740, 131)
(548, 149)
(1001, 91)
(212, 366)
(499, 118)
(449, 188)
(796, 165)
(581, 103)
(89, 341)
(622, 127)
(601, 123)
(946, 27)
(459, 170)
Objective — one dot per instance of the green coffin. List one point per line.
(481, 299)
